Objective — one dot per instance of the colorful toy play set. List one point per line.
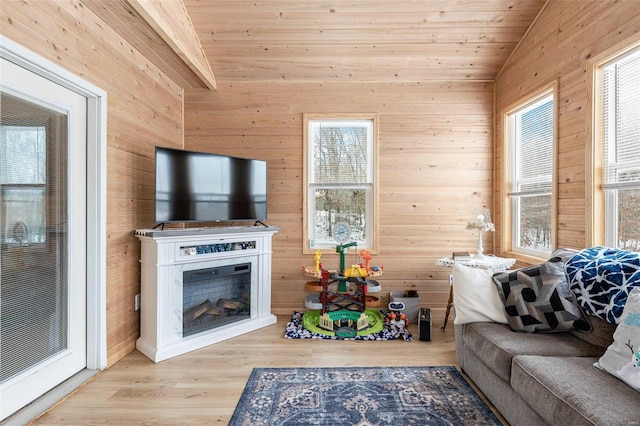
(344, 312)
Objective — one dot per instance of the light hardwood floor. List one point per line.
(204, 386)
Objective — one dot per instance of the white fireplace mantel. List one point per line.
(167, 254)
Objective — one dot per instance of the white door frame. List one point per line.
(96, 190)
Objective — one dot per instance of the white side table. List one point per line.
(494, 263)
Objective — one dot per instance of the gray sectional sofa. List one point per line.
(548, 376)
(536, 378)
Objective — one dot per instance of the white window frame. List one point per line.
(511, 224)
(602, 202)
(310, 245)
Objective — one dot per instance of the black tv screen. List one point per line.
(203, 187)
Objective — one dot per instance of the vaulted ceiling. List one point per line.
(360, 40)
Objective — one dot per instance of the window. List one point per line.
(529, 138)
(340, 180)
(620, 112)
(23, 183)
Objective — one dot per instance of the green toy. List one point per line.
(342, 249)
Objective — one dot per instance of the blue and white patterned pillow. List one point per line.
(602, 278)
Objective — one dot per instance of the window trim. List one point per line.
(374, 213)
(507, 225)
(31, 246)
(595, 200)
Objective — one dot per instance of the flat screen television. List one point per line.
(202, 187)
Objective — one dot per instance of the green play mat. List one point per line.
(376, 322)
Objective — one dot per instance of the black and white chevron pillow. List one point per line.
(538, 298)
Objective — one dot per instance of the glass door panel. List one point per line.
(42, 236)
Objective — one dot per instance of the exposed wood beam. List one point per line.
(163, 33)
(172, 23)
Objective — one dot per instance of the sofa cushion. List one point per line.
(601, 333)
(538, 298)
(512, 407)
(496, 345)
(570, 391)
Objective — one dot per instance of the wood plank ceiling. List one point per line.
(360, 40)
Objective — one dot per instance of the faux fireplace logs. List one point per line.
(221, 307)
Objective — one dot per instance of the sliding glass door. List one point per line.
(42, 236)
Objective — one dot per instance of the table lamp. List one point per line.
(481, 220)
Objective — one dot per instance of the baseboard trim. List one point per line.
(50, 399)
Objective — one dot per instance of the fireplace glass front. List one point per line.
(214, 297)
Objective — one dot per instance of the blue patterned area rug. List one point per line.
(368, 396)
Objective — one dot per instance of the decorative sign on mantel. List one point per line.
(201, 286)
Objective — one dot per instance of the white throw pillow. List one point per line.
(622, 358)
(475, 296)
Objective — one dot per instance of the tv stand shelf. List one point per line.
(165, 258)
(217, 230)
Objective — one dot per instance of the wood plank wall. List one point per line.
(558, 46)
(144, 110)
(436, 165)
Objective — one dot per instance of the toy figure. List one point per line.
(366, 256)
(397, 317)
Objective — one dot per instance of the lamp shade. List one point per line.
(481, 220)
